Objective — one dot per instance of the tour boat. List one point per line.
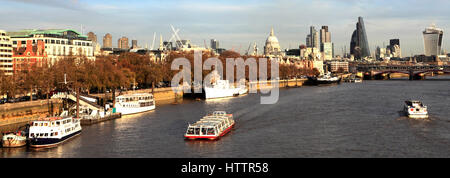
(52, 131)
(212, 126)
(325, 79)
(14, 139)
(134, 103)
(220, 89)
(415, 109)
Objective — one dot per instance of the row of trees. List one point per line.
(111, 72)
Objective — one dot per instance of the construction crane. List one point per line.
(249, 45)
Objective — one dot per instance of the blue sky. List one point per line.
(235, 23)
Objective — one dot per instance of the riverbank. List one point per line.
(14, 113)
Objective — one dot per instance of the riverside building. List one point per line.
(6, 62)
(58, 43)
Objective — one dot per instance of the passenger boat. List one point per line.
(14, 139)
(220, 89)
(212, 126)
(52, 131)
(134, 103)
(325, 79)
(415, 109)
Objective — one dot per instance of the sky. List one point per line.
(235, 23)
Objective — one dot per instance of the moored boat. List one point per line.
(325, 79)
(220, 89)
(212, 126)
(14, 139)
(134, 103)
(415, 109)
(52, 131)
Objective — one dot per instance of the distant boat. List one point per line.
(135, 103)
(52, 131)
(220, 89)
(325, 79)
(14, 139)
(212, 126)
(415, 109)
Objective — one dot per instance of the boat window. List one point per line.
(57, 123)
(197, 131)
(210, 131)
(36, 124)
(41, 134)
(32, 135)
(45, 124)
(46, 134)
(56, 133)
(51, 134)
(203, 131)
(190, 131)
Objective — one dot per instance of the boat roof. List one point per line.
(134, 95)
(52, 118)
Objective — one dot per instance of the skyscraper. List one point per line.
(123, 43)
(312, 40)
(359, 45)
(432, 38)
(214, 44)
(107, 41)
(134, 44)
(326, 47)
(92, 37)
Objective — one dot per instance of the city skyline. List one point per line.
(236, 24)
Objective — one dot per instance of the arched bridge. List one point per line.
(414, 71)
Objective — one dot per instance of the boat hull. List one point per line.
(211, 93)
(315, 81)
(193, 137)
(13, 143)
(418, 116)
(128, 111)
(51, 142)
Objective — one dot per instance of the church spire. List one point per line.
(271, 31)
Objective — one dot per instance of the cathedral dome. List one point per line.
(272, 46)
(272, 38)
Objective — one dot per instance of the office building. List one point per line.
(122, 43)
(214, 44)
(359, 45)
(107, 41)
(58, 43)
(432, 38)
(134, 44)
(6, 62)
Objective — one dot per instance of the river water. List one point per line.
(346, 120)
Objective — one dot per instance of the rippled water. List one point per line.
(347, 120)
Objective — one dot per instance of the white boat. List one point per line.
(328, 79)
(220, 89)
(52, 131)
(14, 140)
(415, 109)
(212, 126)
(325, 79)
(134, 103)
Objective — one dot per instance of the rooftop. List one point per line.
(31, 32)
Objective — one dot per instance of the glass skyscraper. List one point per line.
(359, 45)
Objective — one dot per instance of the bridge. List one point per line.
(415, 72)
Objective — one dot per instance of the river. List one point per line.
(346, 120)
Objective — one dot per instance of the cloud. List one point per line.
(65, 4)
